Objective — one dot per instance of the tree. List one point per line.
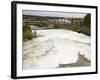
(87, 20)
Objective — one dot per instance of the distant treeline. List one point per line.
(81, 25)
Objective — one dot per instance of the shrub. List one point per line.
(42, 23)
(34, 33)
(26, 28)
(27, 32)
(27, 35)
(56, 26)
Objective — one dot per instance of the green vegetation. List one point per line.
(81, 25)
(81, 62)
(76, 23)
(41, 23)
(27, 35)
(56, 26)
(27, 32)
(34, 34)
(87, 20)
(86, 27)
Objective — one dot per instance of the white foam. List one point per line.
(54, 47)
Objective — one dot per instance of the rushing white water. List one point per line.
(53, 47)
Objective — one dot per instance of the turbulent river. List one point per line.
(53, 47)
